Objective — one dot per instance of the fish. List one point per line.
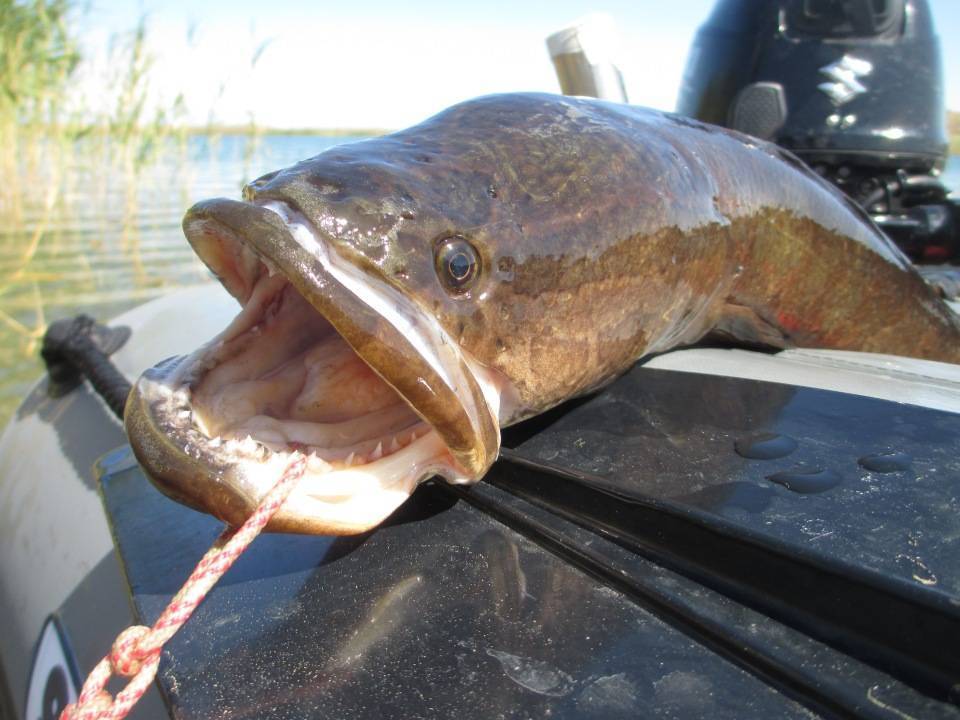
(405, 297)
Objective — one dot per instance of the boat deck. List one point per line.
(678, 545)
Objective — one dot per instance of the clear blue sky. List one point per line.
(376, 63)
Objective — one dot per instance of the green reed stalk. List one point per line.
(37, 57)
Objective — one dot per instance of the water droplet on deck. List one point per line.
(765, 446)
(806, 480)
(535, 675)
(917, 568)
(886, 462)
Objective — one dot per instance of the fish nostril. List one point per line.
(250, 190)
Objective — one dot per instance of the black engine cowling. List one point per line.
(853, 87)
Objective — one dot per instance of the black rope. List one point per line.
(77, 348)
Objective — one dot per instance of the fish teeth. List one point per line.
(377, 452)
(349, 461)
(394, 445)
(317, 464)
(216, 442)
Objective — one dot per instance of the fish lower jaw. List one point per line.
(342, 491)
(348, 498)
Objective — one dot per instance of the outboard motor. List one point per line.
(853, 87)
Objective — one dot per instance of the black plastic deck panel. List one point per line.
(626, 558)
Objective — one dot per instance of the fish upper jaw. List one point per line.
(286, 276)
(403, 343)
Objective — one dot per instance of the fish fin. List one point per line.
(742, 325)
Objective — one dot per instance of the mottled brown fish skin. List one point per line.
(609, 232)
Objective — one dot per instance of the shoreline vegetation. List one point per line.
(83, 130)
(88, 176)
(245, 130)
(96, 177)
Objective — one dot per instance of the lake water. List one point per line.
(110, 240)
(107, 241)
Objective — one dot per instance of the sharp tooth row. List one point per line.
(259, 447)
(246, 447)
(317, 464)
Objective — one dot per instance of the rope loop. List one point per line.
(135, 653)
(97, 706)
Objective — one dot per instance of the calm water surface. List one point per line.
(107, 241)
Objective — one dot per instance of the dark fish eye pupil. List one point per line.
(460, 266)
(457, 263)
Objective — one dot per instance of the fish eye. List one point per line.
(457, 264)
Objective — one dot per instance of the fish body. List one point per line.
(507, 254)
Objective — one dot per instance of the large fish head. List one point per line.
(357, 285)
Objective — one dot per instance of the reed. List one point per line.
(73, 172)
(92, 188)
(37, 57)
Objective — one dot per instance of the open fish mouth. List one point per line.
(324, 359)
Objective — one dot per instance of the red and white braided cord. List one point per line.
(136, 651)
